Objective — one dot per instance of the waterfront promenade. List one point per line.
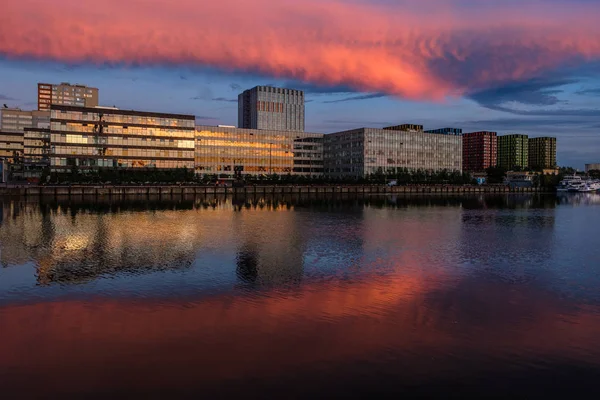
(120, 190)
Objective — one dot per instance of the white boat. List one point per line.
(594, 185)
(587, 186)
(568, 181)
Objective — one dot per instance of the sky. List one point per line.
(528, 66)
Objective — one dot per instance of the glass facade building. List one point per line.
(108, 137)
(542, 152)
(513, 151)
(480, 151)
(36, 151)
(11, 144)
(266, 107)
(225, 151)
(360, 152)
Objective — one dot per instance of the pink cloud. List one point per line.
(426, 52)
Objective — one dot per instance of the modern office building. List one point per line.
(17, 120)
(361, 152)
(592, 167)
(11, 145)
(542, 153)
(227, 151)
(36, 151)
(480, 151)
(446, 131)
(66, 94)
(271, 108)
(93, 137)
(513, 151)
(14, 122)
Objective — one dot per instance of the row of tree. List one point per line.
(402, 176)
(183, 175)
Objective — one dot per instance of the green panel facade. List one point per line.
(513, 151)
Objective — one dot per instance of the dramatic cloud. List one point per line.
(359, 97)
(419, 50)
(539, 92)
(225, 100)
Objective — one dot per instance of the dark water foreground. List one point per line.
(288, 297)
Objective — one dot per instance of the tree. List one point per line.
(595, 173)
(495, 174)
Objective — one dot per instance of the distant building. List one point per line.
(542, 153)
(91, 138)
(513, 151)
(360, 152)
(592, 167)
(17, 120)
(446, 131)
(271, 108)
(480, 151)
(66, 94)
(519, 179)
(230, 151)
(405, 128)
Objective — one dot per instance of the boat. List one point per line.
(594, 185)
(567, 182)
(588, 186)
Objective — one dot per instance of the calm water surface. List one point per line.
(300, 297)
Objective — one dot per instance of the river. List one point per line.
(295, 297)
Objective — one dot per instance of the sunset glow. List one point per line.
(441, 49)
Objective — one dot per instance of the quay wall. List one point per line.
(99, 190)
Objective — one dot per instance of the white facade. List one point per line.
(360, 152)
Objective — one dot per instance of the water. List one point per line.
(298, 297)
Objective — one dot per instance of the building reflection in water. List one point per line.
(349, 291)
(78, 239)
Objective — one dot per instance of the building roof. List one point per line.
(121, 112)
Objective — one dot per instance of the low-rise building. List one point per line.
(229, 151)
(360, 152)
(97, 137)
(519, 179)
